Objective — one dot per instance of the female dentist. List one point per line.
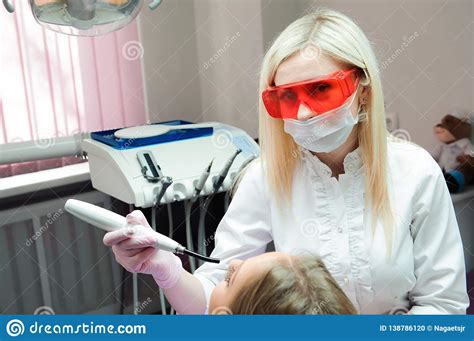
(330, 181)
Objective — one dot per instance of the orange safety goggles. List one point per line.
(319, 94)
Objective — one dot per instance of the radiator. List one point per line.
(53, 263)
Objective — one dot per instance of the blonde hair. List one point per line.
(298, 285)
(336, 36)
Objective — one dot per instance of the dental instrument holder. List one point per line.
(151, 171)
(181, 154)
(110, 221)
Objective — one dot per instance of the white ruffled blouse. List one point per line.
(426, 272)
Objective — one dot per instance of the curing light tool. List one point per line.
(110, 221)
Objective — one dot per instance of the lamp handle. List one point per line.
(153, 4)
(8, 6)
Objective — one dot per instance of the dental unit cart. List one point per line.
(162, 163)
(117, 164)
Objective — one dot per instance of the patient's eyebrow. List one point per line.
(236, 272)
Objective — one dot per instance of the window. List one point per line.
(54, 85)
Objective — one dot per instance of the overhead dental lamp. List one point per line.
(84, 17)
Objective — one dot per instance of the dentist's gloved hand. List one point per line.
(134, 250)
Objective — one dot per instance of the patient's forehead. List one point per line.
(254, 266)
(269, 257)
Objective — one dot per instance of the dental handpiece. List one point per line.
(164, 182)
(202, 181)
(110, 221)
(223, 173)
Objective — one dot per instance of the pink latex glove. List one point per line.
(133, 249)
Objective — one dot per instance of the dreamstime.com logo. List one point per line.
(16, 328)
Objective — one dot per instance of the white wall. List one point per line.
(230, 51)
(170, 61)
(208, 54)
(431, 74)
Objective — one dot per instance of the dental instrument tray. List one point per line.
(108, 137)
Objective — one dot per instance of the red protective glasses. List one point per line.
(319, 94)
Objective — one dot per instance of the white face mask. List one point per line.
(323, 133)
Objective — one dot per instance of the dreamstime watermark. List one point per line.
(319, 308)
(221, 139)
(45, 143)
(51, 219)
(220, 52)
(309, 227)
(319, 132)
(221, 310)
(44, 310)
(395, 54)
(209, 240)
(132, 50)
(129, 142)
(143, 305)
(310, 51)
(402, 134)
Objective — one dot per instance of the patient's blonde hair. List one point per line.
(295, 285)
(336, 36)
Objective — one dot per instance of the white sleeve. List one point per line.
(243, 232)
(438, 252)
